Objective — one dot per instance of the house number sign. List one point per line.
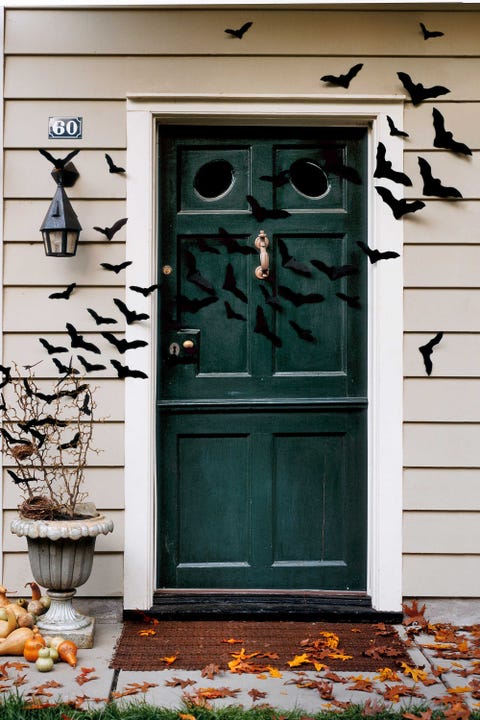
(65, 128)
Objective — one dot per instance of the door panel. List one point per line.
(262, 413)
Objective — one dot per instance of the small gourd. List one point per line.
(44, 662)
(68, 652)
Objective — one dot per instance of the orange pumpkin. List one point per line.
(32, 646)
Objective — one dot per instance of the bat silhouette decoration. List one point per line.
(50, 397)
(112, 168)
(59, 163)
(39, 437)
(145, 291)
(65, 369)
(85, 409)
(99, 320)
(203, 246)
(332, 164)
(11, 440)
(19, 480)
(384, 168)
(231, 314)
(281, 178)
(261, 213)
(52, 349)
(352, 301)
(271, 300)
(233, 246)
(90, 367)
(123, 345)
(288, 261)
(6, 375)
(240, 32)
(399, 207)
(195, 277)
(77, 340)
(376, 255)
(230, 284)
(193, 305)
(49, 420)
(427, 34)
(303, 333)
(418, 92)
(116, 268)
(261, 327)
(123, 371)
(335, 272)
(394, 130)
(299, 299)
(343, 80)
(427, 350)
(2, 402)
(64, 294)
(444, 138)
(131, 316)
(109, 232)
(433, 186)
(71, 443)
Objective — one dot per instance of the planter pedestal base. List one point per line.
(62, 619)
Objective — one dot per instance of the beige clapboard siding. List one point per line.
(27, 175)
(105, 488)
(459, 171)
(23, 218)
(460, 119)
(456, 310)
(440, 533)
(457, 355)
(110, 77)
(441, 489)
(441, 400)
(106, 579)
(441, 445)
(444, 266)
(444, 222)
(26, 123)
(310, 32)
(441, 575)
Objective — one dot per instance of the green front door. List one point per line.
(262, 373)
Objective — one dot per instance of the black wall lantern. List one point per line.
(60, 228)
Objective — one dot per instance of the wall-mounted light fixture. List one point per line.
(60, 228)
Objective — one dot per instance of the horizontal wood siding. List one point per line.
(97, 57)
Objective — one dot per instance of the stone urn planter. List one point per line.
(61, 557)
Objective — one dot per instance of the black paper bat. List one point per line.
(281, 178)
(376, 255)
(193, 305)
(231, 314)
(233, 246)
(343, 80)
(77, 340)
(261, 327)
(52, 349)
(444, 138)
(48, 420)
(433, 186)
(384, 168)
(85, 409)
(240, 32)
(299, 299)
(130, 315)
(203, 246)
(2, 402)
(427, 34)
(71, 443)
(123, 371)
(50, 397)
(352, 301)
(230, 284)
(109, 232)
(399, 207)
(394, 130)
(303, 333)
(59, 163)
(101, 320)
(11, 440)
(64, 294)
(260, 213)
(271, 300)
(89, 367)
(115, 268)
(419, 92)
(19, 480)
(288, 261)
(39, 437)
(427, 351)
(6, 373)
(195, 277)
(145, 291)
(335, 272)
(112, 168)
(65, 369)
(123, 345)
(332, 164)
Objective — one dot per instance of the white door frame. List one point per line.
(385, 324)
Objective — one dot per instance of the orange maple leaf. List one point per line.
(147, 633)
(416, 673)
(299, 660)
(169, 659)
(414, 614)
(386, 673)
(232, 641)
(274, 672)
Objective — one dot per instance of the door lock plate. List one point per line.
(183, 347)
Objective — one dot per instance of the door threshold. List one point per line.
(267, 605)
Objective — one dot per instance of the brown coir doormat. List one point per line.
(194, 644)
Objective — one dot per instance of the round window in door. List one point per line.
(214, 180)
(308, 179)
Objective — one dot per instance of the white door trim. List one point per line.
(144, 113)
